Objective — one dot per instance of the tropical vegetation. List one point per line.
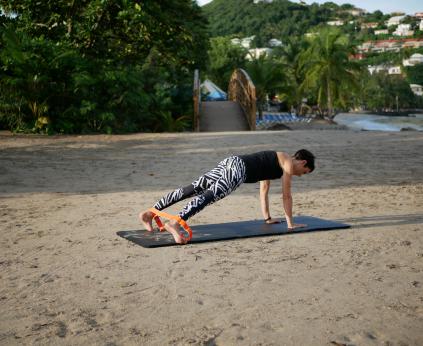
(329, 71)
(125, 66)
(99, 66)
(320, 74)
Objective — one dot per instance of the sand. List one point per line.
(66, 277)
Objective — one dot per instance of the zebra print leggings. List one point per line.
(208, 188)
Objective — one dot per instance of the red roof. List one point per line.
(396, 40)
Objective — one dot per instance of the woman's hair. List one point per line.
(304, 154)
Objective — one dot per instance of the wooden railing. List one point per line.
(197, 100)
(242, 90)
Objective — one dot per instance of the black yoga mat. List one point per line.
(231, 230)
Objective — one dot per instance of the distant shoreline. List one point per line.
(378, 122)
(402, 113)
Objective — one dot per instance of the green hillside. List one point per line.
(279, 19)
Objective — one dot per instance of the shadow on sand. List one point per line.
(384, 220)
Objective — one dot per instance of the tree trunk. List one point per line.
(260, 110)
(329, 98)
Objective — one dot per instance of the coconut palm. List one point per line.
(329, 71)
(290, 53)
(268, 77)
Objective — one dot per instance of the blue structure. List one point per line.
(280, 118)
(211, 92)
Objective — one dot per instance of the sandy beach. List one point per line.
(66, 278)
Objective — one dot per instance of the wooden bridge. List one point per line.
(237, 114)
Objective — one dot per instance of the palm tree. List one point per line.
(329, 70)
(290, 53)
(268, 77)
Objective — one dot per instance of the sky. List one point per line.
(386, 6)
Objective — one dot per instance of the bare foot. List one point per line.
(146, 218)
(173, 228)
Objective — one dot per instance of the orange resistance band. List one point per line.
(185, 226)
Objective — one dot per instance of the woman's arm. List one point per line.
(288, 171)
(264, 201)
(287, 199)
(264, 198)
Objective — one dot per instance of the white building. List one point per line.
(380, 46)
(335, 23)
(384, 68)
(417, 89)
(394, 70)
(413, 43)
(244, 42)
(403, 30)
(357, 12)
(421, 25)
(394, 20)
(369, 25)
(382, 32)
(275, 42)
(255, 53)
(415, 59)
(265, 1)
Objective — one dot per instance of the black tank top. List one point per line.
(263, 165)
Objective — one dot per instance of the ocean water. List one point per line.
(371, 122)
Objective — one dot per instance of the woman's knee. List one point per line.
(188, 191)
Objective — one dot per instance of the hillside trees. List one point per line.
(224, 57)
(414, 74)
(383, 92)
(268, 77)
(289, 54)
(329, 71)
(87, 66)
(279, 19)
(321, 70)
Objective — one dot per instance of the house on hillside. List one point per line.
(275, 42)
(415, 59)
(394, 20)
(386, 46)
(417, 89)
(418, 15)
(356, 12)
(412, 43)
(403, 30)
(390, 69)
(382, 32)
(244, 42)
(335, 22)
(256, 53)
(390, 45)
(369, 25)
(394, 70)
(421, 25)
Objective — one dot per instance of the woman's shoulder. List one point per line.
(285, 161)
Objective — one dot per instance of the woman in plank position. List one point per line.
(227, 176)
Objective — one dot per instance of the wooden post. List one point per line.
(196, 100)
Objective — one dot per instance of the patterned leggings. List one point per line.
(208, 188)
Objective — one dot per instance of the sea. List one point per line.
(372, 122)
